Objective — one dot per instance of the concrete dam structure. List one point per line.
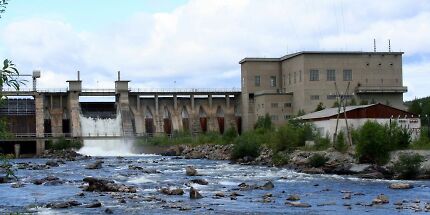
(43, 115)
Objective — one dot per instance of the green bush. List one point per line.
(264, 123)
(372, 143)
(286, 138)
(322, 143)
(341, 145)
(423, 142)
(399, 137)
(408, 166)
(248, 144)
(62, 143)
(317, 160)
(229, 135)
(280, 158)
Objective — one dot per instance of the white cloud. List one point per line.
(200, 43)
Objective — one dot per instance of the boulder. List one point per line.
(108, 211)
(103, 185)
(49, 180)
(381, 199)
(359, 168)
(194, 194)
(200, 181)
(190, 171)
(267, 186)
(17, 185)
(175, 191)
(219, 194)
(52, 163)
(401, 186)
(66, 204)
(95, 165)
(95, 204)
(346, 196)
(298, 204)
(293, 197)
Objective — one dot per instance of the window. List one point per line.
(331, 75)
(287, 116)
(286, 105)
(274, 117)
(331, 97)
(257, 80)
(243, 82)
(314, 75)
(315, 97)
(273, 81)
(294, 77)
(283, 80)
(289, 78)
(347, 75)
(274, 105)
(300, 76)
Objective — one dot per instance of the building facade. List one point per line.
(285, 86)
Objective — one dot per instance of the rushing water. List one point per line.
(102, 147)
(222, 177)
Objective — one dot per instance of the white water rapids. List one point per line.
(104, 147)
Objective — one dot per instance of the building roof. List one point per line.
(330, 112)
(288, 56)
(358, 112)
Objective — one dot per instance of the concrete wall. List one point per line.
(328, 127)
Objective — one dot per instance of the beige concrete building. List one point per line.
(281, 87)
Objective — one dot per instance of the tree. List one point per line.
(415, 107)
(9, 75)
(320, 107)
(3, 4)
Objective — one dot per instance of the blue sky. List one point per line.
(198, 43)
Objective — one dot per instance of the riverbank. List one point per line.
(327, 161)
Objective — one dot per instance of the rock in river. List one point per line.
(298, 204)
(194, 194)
(176, 191)
(267, 186)
(95, 165)
(380, 199)
(293, 197)
(190, 171)
(200, 181)
(401, 186)
(104, 185)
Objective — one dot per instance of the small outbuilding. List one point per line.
(356, 116)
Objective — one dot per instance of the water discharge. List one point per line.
(105, 147)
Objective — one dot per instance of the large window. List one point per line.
(257, 80)
(315, 97)
(273, 81)
(295, 77)
(314, 75)
(331, 75)
(274, 105)
(347, 75)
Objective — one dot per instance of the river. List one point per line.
(323, 192)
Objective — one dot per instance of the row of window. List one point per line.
(276, 117)
(314, 75)
(331, 97)
(275, 105)
(272, 81)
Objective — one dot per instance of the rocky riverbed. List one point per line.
(63, 183)
(336, 163)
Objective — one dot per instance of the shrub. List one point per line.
(399, 137)
(423, 142)
(280, 158)
(62, 143)
(264, 123)
(408, 166)
(286, 138)
(230, 134)
(322, 143)
(246, 145)
(319, 107)
(340, 144)
(372, 143)
(317, 160)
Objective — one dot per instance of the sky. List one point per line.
(198, 43)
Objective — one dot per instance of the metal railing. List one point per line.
(186, 90)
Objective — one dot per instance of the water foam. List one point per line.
(104, 127)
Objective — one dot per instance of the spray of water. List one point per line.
(104, 147)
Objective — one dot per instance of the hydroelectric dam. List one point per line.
(35, 116)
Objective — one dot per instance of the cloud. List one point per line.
(200, 43)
